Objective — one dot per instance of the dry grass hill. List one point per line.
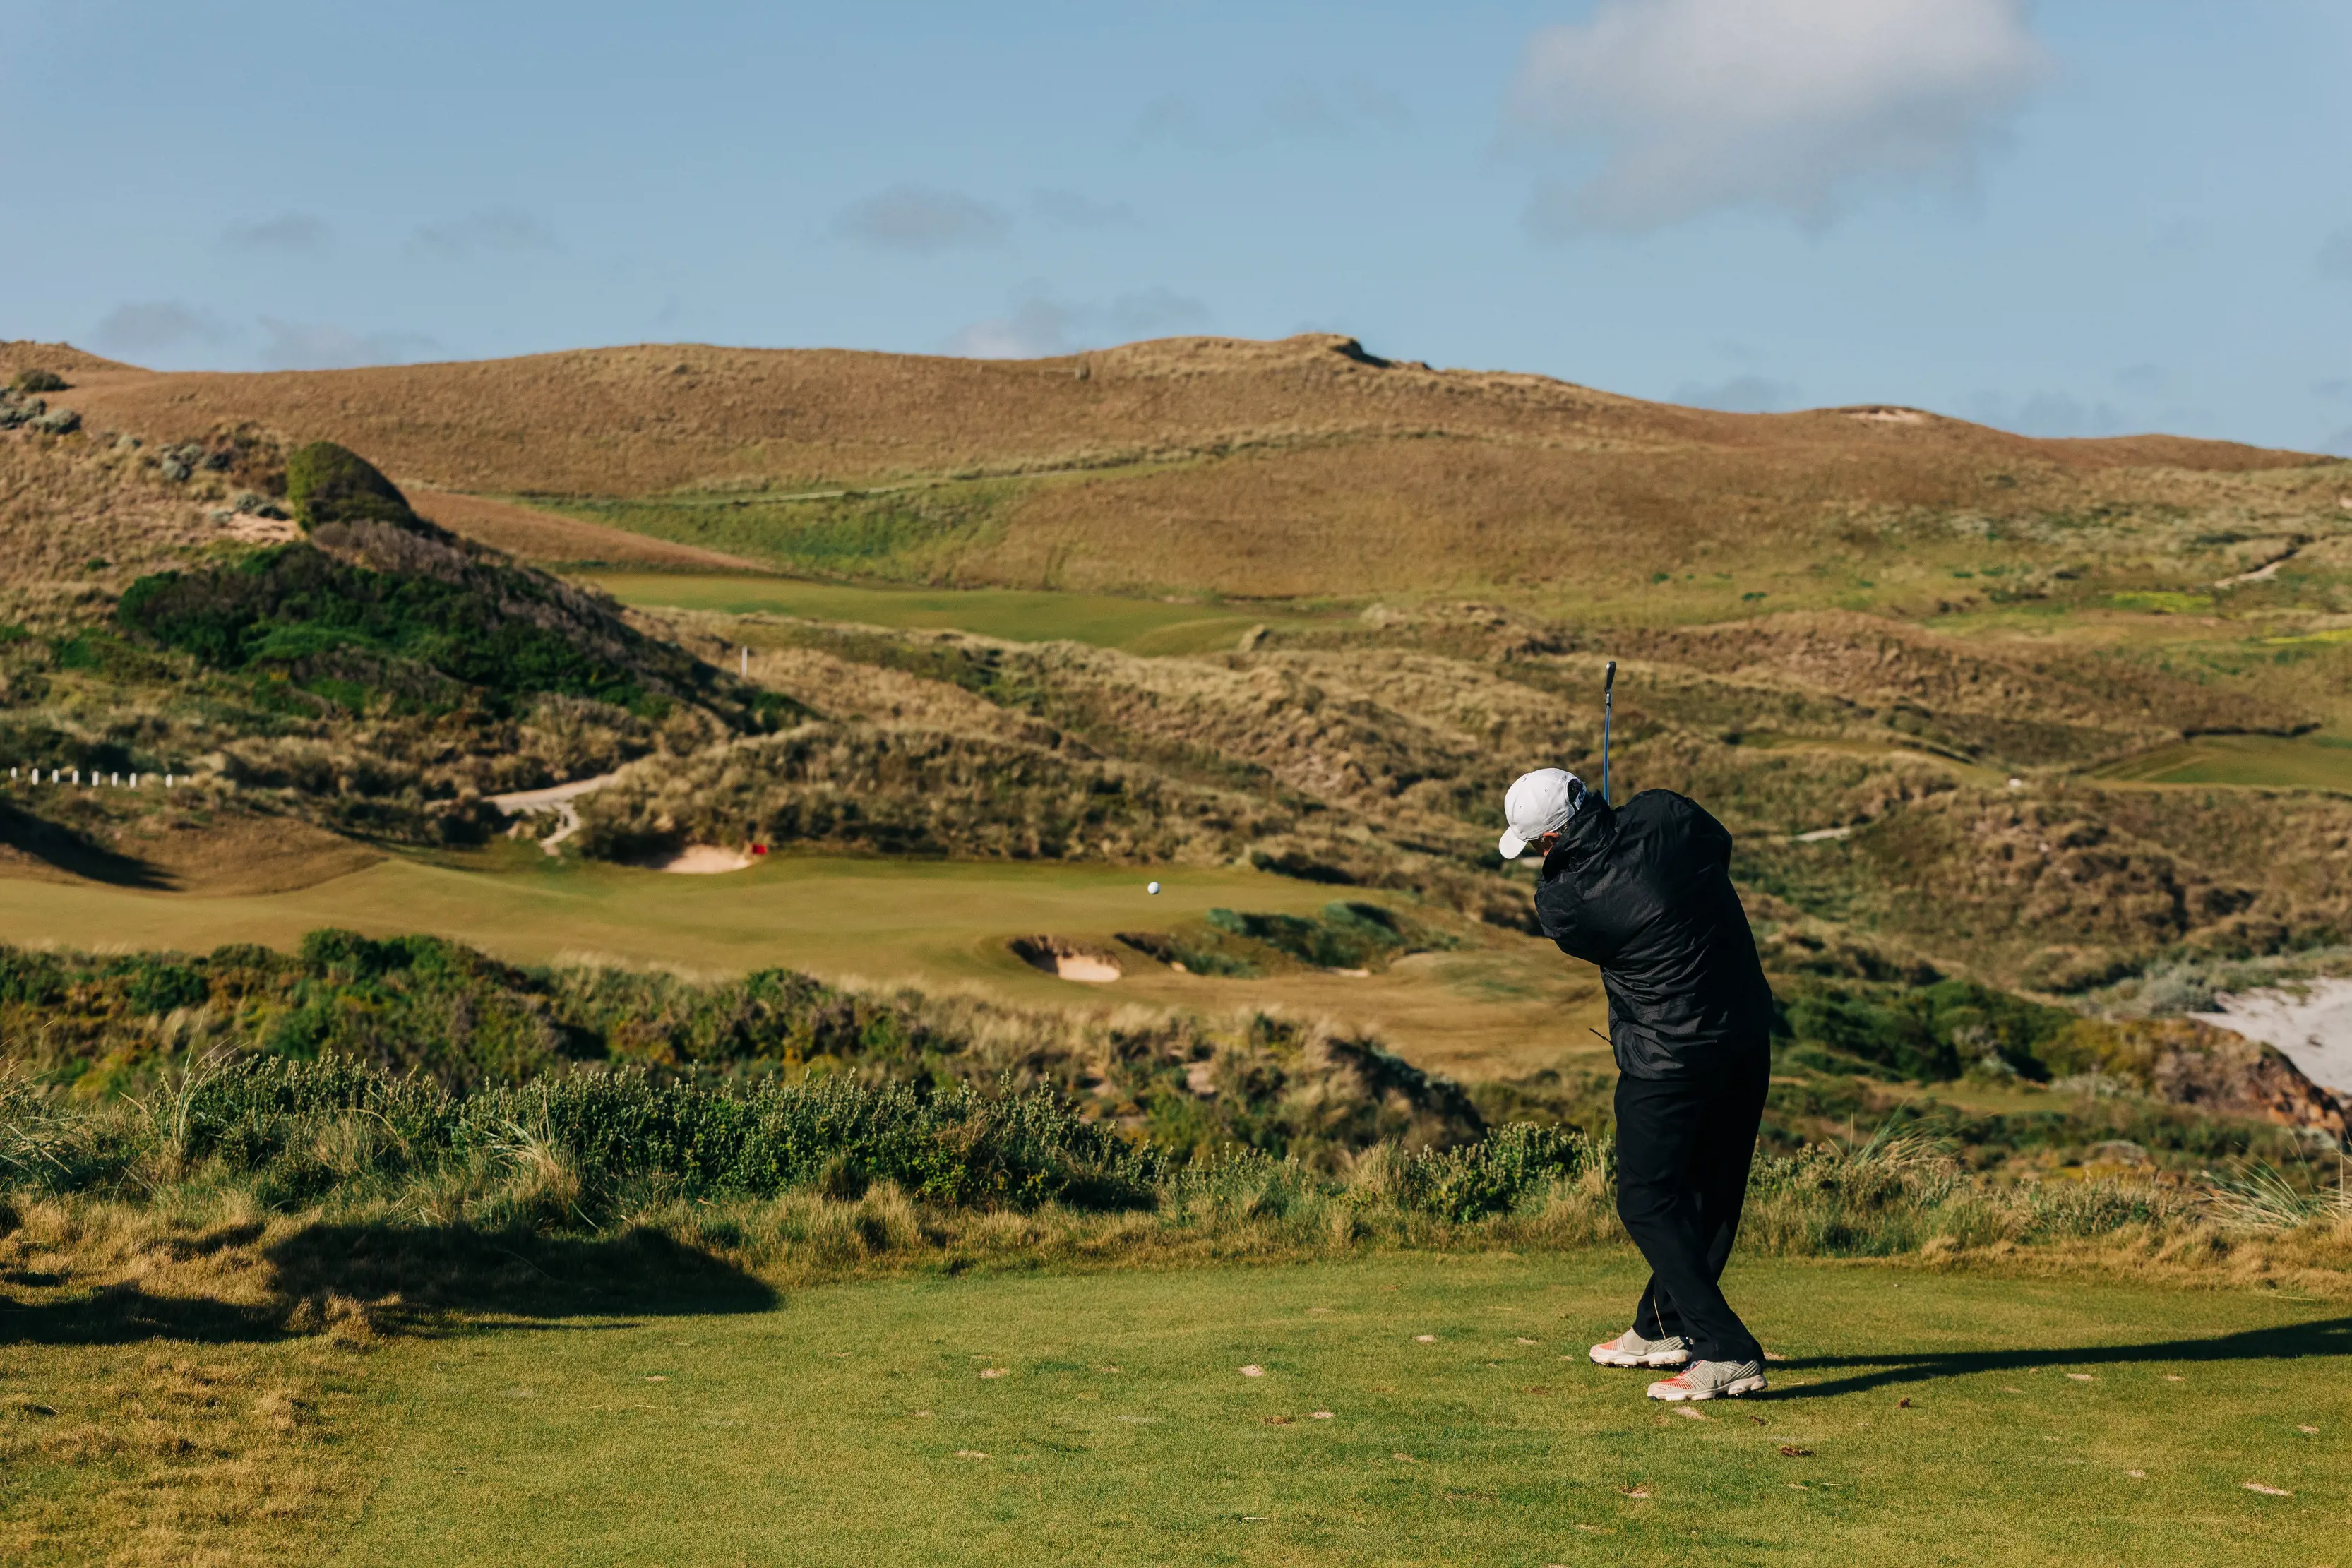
(1901, 655)
(1301, 467)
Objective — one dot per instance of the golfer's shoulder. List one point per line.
(1660, 809)
(1674, 824)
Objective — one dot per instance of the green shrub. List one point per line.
(37, 380)
(1930, 1033)
(352, 635)
(957, 1147)
(32, 979)
(1501, 1171)
(158, 986)
(1346, 935)
(330, 483)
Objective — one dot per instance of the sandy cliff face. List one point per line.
(2192, 1062)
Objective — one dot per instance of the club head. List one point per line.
(1609, 678)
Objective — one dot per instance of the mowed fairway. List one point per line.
(1507, 1004)
(1137, 626)
(2270, 761)
(1111, 1418)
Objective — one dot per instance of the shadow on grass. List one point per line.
(76, 853)
(2329, 1339)
(402, 1278)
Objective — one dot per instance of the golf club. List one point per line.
(1608, 707)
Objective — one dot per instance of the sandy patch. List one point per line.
(251, 527)
(1066, 959)
(705, 859)
(2311, 1026)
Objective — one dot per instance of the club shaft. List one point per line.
(1608, 713)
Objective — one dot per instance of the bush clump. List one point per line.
(37, 380)
(330, 483)
(1347, 935)
(958, 1146)
(357, 636)
(1504, 1171)
(1929, 1033)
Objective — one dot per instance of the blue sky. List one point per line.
(2071, 218)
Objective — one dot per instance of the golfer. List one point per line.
(1644, 891)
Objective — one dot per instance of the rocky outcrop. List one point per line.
(2186, 1061)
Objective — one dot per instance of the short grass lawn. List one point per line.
(1403, 1410)
(1021, 615)
(1506, 1005)
(2303, 762)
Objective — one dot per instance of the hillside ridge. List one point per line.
(1194, 392)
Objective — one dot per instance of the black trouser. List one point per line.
(1684, 1146)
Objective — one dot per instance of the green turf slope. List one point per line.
(2048, 1423)
(1137, 626)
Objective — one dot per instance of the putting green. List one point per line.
(2303, 762)
(1114, 1418)
(1137, 626)
(1509, 1004)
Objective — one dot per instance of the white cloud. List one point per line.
(493, 230)
(1740, 395)
(157, 326)
(916, 218)
(316, 346)
(289, 233)
(1041, 326)
(2335, 254)
(1678, 107)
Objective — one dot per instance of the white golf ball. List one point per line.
(1151, 887)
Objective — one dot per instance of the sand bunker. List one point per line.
(705, 859)
(1066, 959)
(2311, 1025)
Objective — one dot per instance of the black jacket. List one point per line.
(1644, 891)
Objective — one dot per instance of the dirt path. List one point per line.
(559, 796)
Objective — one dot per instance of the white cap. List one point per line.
(1539, 803)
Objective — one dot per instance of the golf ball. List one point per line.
(1151, 887)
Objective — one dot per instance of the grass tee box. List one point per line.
(1410, 1410)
